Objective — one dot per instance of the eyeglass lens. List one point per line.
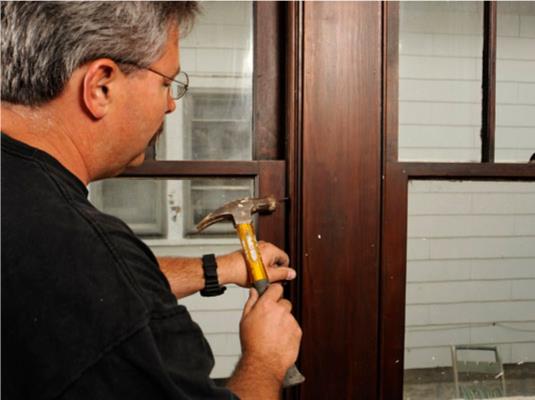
(179, 88)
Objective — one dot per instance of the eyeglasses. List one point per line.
(178, 86)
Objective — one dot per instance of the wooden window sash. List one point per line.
(268, 141)
(396, 177)
(488, 117)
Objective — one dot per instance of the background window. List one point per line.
(213, 122)
(129, 200)
(440, 64)
(515, 82)
(470, 282)
(165, 212)
(218, 125)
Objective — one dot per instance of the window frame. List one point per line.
(397, 175)
(268, 166)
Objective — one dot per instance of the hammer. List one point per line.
(241, 212)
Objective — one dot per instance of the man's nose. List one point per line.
(171, 104)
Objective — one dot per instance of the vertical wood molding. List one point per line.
(488, 120)
(341, 198)
(293, 127)
(271, 179)
(393, 271)
(391, 79)
(268, 141)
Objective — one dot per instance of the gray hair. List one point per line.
(43, 43)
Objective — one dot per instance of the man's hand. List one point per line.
(270, 338)
(185, 275)
(232, 267)
(268, 330)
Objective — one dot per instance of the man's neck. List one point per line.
(43, 130)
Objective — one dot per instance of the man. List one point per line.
(86, 310)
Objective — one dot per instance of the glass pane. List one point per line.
(214, 120)
(515, 82)
(168, 210)
(163, 213)
(470, 294)
(440, 51)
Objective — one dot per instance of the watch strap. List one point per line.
(211, 283)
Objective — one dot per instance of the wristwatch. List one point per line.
(211, 283)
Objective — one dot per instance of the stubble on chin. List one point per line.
(140, 158)
(156, 135)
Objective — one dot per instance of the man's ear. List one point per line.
(99, 78)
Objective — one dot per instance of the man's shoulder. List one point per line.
(50, 228)
(75, 281)
(46, 214)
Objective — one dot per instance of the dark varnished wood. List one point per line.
(391, 78)
(194, 169)
(268, 141)
(341, 169)
(393, 221)
(488, 122)
(272, 227)
(469, 170)
(293, 128)
(393, 270)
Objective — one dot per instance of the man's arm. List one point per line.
(185, 275)
(270, 338)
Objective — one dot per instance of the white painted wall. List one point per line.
(440, 81)
(515, 75)
(470, 270)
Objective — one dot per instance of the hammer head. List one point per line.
(238, 211)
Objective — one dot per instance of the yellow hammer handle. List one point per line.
(256, 269)
(259, 278)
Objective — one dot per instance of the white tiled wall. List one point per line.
(440, 64)
(471, 248)
(220, 45)
(470, 270)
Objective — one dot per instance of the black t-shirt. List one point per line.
(86, 311)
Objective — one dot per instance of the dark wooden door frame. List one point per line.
(334, 173)
(314, 120)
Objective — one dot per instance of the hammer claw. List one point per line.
(209, 220)
(238, 211)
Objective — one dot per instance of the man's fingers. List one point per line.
(251, 301)
(282, 259)
(274, 292)
(281, 274)
(272, 255)
(286, 304)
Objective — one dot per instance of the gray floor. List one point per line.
(437, 383)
